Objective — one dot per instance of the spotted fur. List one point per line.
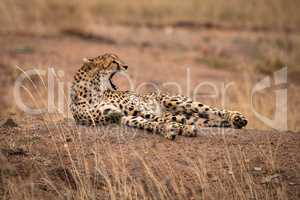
(95, 100)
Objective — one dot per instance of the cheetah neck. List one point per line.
(102, 82)
(87, 87)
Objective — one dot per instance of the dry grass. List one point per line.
(67, 162)
(261, 54)
(130, 171)
(263, 102)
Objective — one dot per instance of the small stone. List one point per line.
(214, 179)
(65, 175)
(14, 152)
(8, 170)
(268, 179)
(9, 123)
(257, 168)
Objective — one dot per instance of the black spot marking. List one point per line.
(188, 105)
(203, 115)
(149, 129)
(135, 113)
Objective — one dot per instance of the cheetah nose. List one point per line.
(125, 67)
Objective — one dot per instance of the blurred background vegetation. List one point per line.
(45, 15)
(278, 16)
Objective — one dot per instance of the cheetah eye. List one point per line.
(115, 62)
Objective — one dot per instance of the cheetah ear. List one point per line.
(86, 60)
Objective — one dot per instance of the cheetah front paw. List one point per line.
(238, 120)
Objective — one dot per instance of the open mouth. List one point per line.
(110, 80)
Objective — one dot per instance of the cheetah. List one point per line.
(95, 100)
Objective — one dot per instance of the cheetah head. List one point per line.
(106, 64)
